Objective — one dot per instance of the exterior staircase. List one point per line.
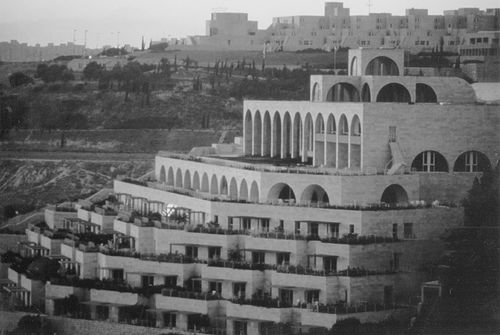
(398, 165)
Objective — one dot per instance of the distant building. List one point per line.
(415, 31)
(14, 51)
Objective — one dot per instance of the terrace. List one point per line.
(356, 207)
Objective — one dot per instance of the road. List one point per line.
(74, 156)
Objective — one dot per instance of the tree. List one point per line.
(93, 71)
(19, 79)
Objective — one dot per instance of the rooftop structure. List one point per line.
(332, 211)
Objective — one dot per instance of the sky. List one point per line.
(112, 22)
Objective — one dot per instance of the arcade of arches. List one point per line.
(312, 141)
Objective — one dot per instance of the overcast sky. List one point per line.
(44, 21)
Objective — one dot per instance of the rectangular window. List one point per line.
(286, 296)
(313, 229)
(395, 261)
(264, 223)
(282, 258)
(429, 161)
(246, 224)
(117, 275)
(395, 231)
(147, 281)
(408, 230)
(191, 251)
(297, 227)
(215, 287)
(351, 229)
(312, 296)
(239, 290)
(333, 230)
(216, 219)
(258, 257)
(330, 264)
(170, 281)
(214, 252)
(169, 319)
(281, 227)
(230, 222)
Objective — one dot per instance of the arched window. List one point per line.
(178, 178)
(343, 92)
(331, 126)
(382, 66)
(196, 181)
(393, 92)
(223, 186)
(430, 161)
(163, 175)
(205, 187)
(281, 191)
(314, 194)
(355, 126)
(343, 126)
(354, 67)
(257, 133)
(248, 132)
(214, 185)
(243, 190)
(254, 192)
(187, 179)
(366, 94)
(315, 92)
(394, 195)
(425, 93)
(233, 189)
(170, 176)
(472, 161)
(320, 124)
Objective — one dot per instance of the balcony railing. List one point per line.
(342, 308)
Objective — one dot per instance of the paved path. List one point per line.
(74, 156)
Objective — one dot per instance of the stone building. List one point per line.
(333, 211)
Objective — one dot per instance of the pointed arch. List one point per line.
(214, 185)
(355, 126)
(355, 158)
(233, 189)
(343, 125)
(247, 132)
(178, 178)
(266, 135)
(343, 145)
(276, 150)
(205, 186)
(224, 189)
(254, 192)
(287, 134)
(308, 134)
(297, 136)
(196, 181)
(366, 95)
(170, 176)
(187, 179)
(315, 92)
(257, 134)
(331, 126)
(243, 190)
(163, 175)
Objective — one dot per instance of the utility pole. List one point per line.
(118, 42)
(74, 39)
(85, 42)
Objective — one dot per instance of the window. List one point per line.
(170, 281)
(333, 230)
(117, 274)
(282, 258)
(471, 164)
(214, 252)
(246, 224)
(429, 161)
(312, 296)
(297, 227)
(258, 257)
(351, 229)
(395, 261)
(147, 281)
(230, 222)
(286, 296)
(169, 319)
(240, 327)
(281, 226)
(239, 290)
(408, 230)
(330, 264)
(395, 231)
(264, 225)
(216, 219)
(215, 287)
(191, 251)
(313, 229)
